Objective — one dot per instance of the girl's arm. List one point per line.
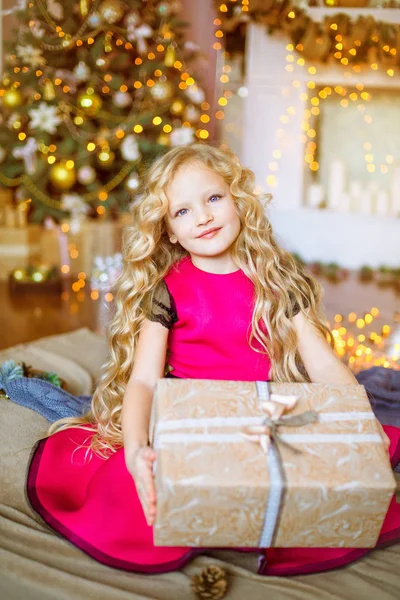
(149, 365)
(320, 361)
(322, 364)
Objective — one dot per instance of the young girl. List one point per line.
(205, 293)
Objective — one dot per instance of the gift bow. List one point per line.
(274, 411)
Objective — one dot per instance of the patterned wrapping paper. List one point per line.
(213, 485)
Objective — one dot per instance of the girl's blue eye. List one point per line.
(217, 196)
(181, 212)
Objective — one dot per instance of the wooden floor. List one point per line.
(28, 317)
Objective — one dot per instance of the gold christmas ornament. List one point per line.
(89, 102)
(61, 176)
(105, 158)
(84, 7)
(49, 91)
(170, 57)
(111, 11)
(177, 107)
(162, 90)
(12, 98)
(211, 584)
(163, 139)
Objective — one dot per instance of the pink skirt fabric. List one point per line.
(93, 503)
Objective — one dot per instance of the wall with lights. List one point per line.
(285, 93)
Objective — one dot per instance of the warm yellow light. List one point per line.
(157, 121)
(301, 62)
(51, 160)
(338, 318)
(292, 14)
(91, 146)
(389, 158)
(100, 210)
(167, 128)
(103, 195)
(291, 110)
(94, 294)
(273, 166)
(289, 68)
(65, 269)
(310, 85)
(222, 101)
(108, 297)
(369, 157)
(277, 154)
(371, 168)
(374, 66)
(65, 227)
(314, 166)
(271, 180)
(290, 58)
(70, 164)
(138, 129)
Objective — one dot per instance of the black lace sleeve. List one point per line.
(163, 309)
(295, 305)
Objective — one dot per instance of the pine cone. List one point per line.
(211, 584)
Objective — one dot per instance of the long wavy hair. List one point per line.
(280, 283)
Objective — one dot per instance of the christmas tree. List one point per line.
(93, 91)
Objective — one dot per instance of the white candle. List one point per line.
(314, 195)
(336, 186)
(365, 206)
(382, 203)
(344, 204)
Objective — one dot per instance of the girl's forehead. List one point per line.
(193, 176)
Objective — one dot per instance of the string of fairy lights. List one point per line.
(312, 100)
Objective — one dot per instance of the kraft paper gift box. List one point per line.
(330, 487)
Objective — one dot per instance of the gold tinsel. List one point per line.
(211, 584)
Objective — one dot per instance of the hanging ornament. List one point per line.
(36, 29)
(140, 36)
(89, 102)
(84, 6)
(94, 20)
(122, 99)
(77, 208)
(12, 98)
(163, 139)
(163, 9)
(177, 107)
(111, 11)
(192, 113)
(181, 136)
(82, 72)
(55, 10)
(162, 90)
(170, 56)
(44, 117)
(49, 92)
(130, 148)
(105, 157)
(28, 153)
(195, 94)
(31, 56)
(132, 21)
(63, 177)
(86, 175)
(132, 182)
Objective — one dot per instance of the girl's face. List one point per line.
(202, 215)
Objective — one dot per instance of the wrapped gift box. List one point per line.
(330, 488)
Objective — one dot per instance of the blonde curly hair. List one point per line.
(279, 283)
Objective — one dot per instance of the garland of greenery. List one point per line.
(338, 37)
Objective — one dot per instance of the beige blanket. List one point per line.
(37, 564)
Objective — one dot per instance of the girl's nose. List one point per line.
(203, 217)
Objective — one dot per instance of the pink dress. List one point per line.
(93, 501)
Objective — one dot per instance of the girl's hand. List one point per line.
(139, 463)
(385, 438)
